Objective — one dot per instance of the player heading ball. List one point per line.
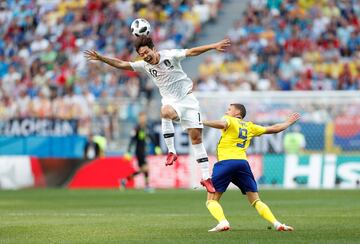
(178, 102)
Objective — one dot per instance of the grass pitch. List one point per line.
(174, 216)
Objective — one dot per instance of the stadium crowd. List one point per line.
(277, 45)
(289, 45)
(43, 72)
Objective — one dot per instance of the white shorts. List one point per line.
(188, 110)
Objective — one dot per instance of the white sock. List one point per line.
(277, 224)
(202, 159)
(168, 133)
(224, 222)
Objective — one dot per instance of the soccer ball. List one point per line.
(140, 27)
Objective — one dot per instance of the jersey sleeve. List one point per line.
(178, 54)
(257, 130)
(138, 66)
(227, 119)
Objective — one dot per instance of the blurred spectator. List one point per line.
(304, 83)
(10, 79)
(92, 148)
(346, 79)
(294, 141)
(41, 106)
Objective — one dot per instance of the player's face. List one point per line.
(148, 54)
(232, 111)
(142, 119)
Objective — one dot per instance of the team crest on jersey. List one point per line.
(168, 64)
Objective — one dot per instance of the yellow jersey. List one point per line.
(236, 138)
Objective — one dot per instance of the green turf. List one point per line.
(174, 216)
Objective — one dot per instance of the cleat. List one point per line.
(208, 185)
(284, 227)
(170, 159)
(222, 226)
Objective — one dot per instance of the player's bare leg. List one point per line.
(168, 114)
(265, 212)
(217, 212)
(201, 157)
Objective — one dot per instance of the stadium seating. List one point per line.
(289, 45)
(41, 55)
(43, 72)
(277, 45)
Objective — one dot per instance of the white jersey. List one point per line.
(168, 74)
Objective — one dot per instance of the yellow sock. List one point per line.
(264, 211)
(215, 209)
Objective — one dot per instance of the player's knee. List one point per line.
(196, 140)
(167, 112)
(195, 137)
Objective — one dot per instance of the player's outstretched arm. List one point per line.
(282, 126)
(219, 46)
(117, 63)
(217, 124)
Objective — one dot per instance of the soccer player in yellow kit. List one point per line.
(232, 165)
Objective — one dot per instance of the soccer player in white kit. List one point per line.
(178, 102)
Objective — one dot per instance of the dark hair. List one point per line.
(241, 108)
(143, 41)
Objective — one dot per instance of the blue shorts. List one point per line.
(237, 171)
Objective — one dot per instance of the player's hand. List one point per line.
(222, 45)
(91, 55)
(158, 150)
(293, 118)
(127, 156)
